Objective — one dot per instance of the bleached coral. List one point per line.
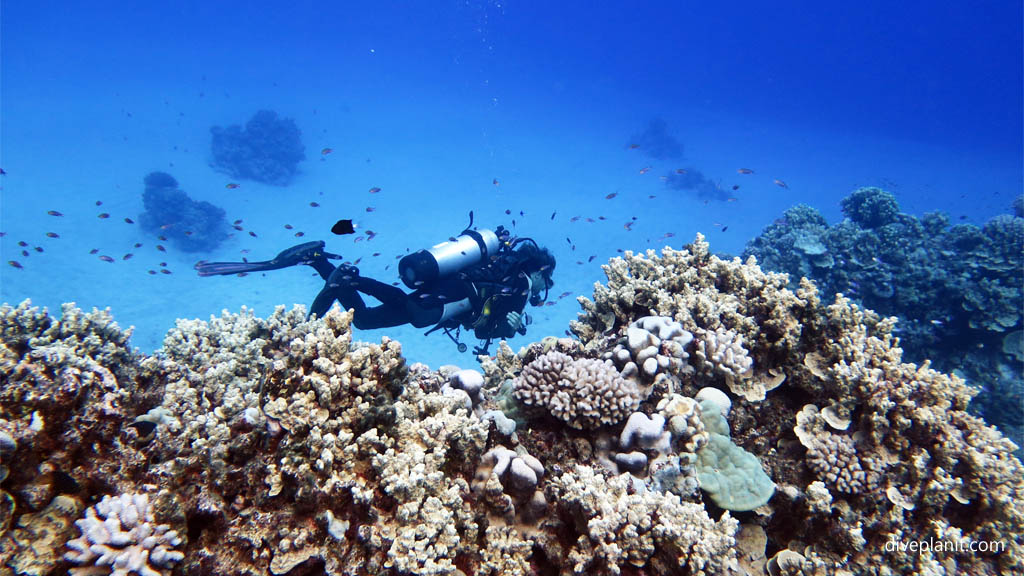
(722, 353)
(584, 393)
(653, 349)
(121, 533)
(620, 528)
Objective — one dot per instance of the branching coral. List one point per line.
(121, 533)
(618, 528)
(584, 393)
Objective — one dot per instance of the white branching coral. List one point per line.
(585, 393)
(122, 534)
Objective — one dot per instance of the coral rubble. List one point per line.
(758, 432)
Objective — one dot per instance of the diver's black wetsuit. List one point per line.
(480, 305)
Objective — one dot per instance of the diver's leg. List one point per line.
(345, 288)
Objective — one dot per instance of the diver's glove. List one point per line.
(517, 322)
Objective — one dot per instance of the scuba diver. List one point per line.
(479, 281)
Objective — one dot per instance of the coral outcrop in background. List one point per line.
(725, 425)
(192, 226)
(268, 149)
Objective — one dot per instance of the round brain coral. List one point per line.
(584, 393)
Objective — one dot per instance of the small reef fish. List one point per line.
(612, 195)
(781, 184)
(326, 151)
(374, 190)
(288, 226)
(103, 215)
(370, 208)
(314, 205)
(495, 182)
(161, 248)
(99, 202)
(130, 221)
(94, 251)
(106, 258)
(680, 171)
(251, 233)
(165, 271)
(232, 186)
(52, 235)
(300, 234)
(342, 227)
(645, 169)
(634, 146)
(744, 171)
(735, 186)
(127, 256)
(53, 213)
(16, 264)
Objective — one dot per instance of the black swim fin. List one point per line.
(306, 253)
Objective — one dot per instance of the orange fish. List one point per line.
(744, 171)
(374, 190)
(781, 184)
(231, 186)
(645, 169)
(326, 151)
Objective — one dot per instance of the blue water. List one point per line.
(434, 102)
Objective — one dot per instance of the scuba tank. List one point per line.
(424, 266)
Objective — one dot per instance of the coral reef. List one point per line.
(956, 290)
(280, 445)
(189, 225)
(268, 149)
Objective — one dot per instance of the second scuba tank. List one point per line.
(470, 248)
